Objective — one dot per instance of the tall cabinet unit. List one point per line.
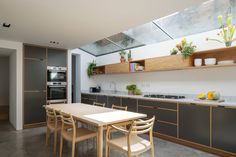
(35, 65)
(36, 59)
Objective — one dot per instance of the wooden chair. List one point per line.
(53, 125)
(71, 133)
(119, 107)
(131, 144)
(99, 104)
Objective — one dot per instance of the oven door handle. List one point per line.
(57, 86)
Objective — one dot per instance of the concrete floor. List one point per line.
(31, 143)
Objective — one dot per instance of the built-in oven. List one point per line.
(56, 74)
(56, 92)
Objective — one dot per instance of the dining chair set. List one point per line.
(63, 124)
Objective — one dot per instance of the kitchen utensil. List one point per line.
(197, 62)
(210, 61)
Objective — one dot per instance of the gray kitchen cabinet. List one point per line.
(88, 98)
(113, 100)
(102, 99)
(34, 84)
(35, 75)
(194, 123)
(130, 103)
(165, 128)
(224, 129)
(57, 57)
(33, 107)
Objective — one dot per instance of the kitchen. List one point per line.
(145, 69)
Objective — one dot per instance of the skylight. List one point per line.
(190, 21)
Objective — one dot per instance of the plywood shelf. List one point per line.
(174, 62)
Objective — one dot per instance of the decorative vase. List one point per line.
(228, 43)
(130, 92)
(122, 60)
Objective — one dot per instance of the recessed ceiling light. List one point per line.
(6, 25)
(54, 42)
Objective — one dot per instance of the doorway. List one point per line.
(75, 79)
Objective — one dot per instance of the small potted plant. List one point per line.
(186, 49)
(122, 56)
(129, 56)
(227, 31)
(90, 69)
(131, 88)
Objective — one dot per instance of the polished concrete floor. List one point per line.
(31, 143)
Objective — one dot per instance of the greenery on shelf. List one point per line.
(227, 31)
(186, 49)
(129, 56)
(90, 70)
(133, 89)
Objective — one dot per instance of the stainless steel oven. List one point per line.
(56, 92)
(56, 74)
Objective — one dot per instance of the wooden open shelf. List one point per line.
(99, 70)
(135, 68)
(172, 62)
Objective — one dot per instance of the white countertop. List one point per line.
(185, 101)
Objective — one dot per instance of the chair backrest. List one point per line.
(51, 116)
(68, 123)
(99, 104)
(119, 107)
(142, 126)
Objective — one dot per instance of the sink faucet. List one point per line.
(114, 84)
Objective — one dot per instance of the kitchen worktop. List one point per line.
(187, 100)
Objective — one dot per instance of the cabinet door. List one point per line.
(130, 103)
(224, 129)
(117, 68)
(34, 75)
(148, 110)
(57, 57)
(102, 99)
(166, 129)
(33, 107)
(113, 100)
(88, 98)
(194, 123)
(35, 52)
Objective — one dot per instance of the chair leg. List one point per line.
(61, 146)
(152, 149)
(55, 142)
(73, 149)
(47, 136)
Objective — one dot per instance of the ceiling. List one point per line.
(78, 22)
(192, 20)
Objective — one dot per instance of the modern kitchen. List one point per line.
(142, 82)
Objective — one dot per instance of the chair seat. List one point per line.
(81, 134)
(137, 145)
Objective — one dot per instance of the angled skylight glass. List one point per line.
(101, 47)
(124, 41)
(147, 34)
(196, 19)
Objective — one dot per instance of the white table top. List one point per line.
(95, 115)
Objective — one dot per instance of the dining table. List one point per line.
(99, 117)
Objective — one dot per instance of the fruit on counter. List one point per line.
(201, 96)
(213, 95)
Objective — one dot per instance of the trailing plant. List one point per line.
(186, 49)
(227, 31)
(90, 70)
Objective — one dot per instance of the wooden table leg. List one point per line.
(100, 142)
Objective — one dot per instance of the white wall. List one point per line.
(16, 72)
(4, 81)
(186, 81)
(85, 82)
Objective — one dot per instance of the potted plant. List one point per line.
(129, 56)
(90, 69)
(186, 49)
(227, 31)
(131, 89)
(122, 56)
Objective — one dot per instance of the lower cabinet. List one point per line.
(102, 99)
(113, 100)
(194, 123)
(224, 129)
(88, 98)
(130, 103)
(34, 111)
(165, 128)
